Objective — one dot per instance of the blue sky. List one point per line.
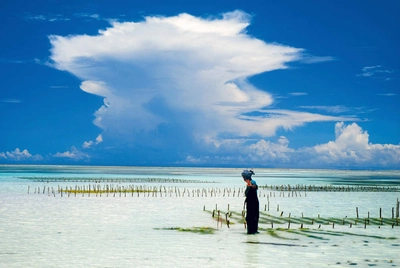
(286, 84)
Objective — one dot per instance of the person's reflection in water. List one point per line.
(253, 252)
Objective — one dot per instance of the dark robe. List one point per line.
(253, 210)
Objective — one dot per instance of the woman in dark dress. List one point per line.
(252, 203)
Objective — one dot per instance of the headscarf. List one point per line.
(246, 174)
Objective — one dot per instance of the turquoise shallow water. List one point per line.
(125, 230)
(223, 176)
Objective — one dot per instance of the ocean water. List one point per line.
(40, 227)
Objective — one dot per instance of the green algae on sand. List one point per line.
(200, 230)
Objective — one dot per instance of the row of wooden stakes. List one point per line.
(331, 188)
(266, 218)
(135, 190)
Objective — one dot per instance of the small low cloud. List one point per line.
(12, 61)
(273, 151)
(337, 109)
(376, 72)
(309, 59)
(94, 16)
(351, 148)
(53, 17)
(388, 94)
(73, 154)
(59, 87)
(88, 144)
(50, 17)
(18, 155)
(10, 101)
(297, 94)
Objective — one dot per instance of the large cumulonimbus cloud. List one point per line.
(182, 71)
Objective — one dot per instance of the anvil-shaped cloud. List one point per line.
(180, 74)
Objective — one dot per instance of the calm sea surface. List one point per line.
(313, 224)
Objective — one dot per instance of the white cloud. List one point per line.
(351, 148)
(18, 155)
(88, 144)
(330, 109)
(74, 154)
(88, 15)
(376, 72)
(46, 17)
(184, 72)
(315, 59)
(10, 101)
(270, 151)
(59, 87)
(12, 61)
(388, 94)
(99, 139)
(52, 17)
(270, 119)
(296, 94)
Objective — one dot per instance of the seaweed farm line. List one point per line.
(266, 219)
(286, 187)
(99, 190)
(114, 180)
(332, 188)
(118, 190)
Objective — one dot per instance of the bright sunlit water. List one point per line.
(131, 230)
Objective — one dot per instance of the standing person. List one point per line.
(252, 203)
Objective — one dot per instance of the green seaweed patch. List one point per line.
(199, 230)
(103, 191)
(274, 233)
(336, 233)
(322, 232)
(273, 219)
(306, 234)
(224, 217)
(337, 221)
(112, 180)
(370, 236)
